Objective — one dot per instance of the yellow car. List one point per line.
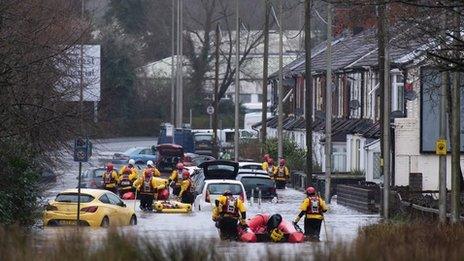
(98, 208)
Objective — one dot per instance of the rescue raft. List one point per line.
(170, 206)
(256, 231)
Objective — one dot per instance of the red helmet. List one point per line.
(270, 161)
(310, 191)
(266, 157)
(185, 174)
(109, 167)
(127, 170)
(180, 166)
(282, 162)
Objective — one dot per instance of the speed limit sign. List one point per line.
(210, 110)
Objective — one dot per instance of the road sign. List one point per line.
(82, 150)
(441, 148)
(210, 110)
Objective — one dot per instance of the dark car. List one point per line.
(258, 181)
(203, 143)
(168, 155)
(92, 178)
(141, 155)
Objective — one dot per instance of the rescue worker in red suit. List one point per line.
(281, 174)
(146, 186)
(175, 179)
(313, 208)
(110, 178)
(227, 213)
(186, 188)
(266, 227)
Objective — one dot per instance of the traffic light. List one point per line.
(82, 150)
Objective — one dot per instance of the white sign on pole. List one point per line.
(210, 110)
(169, 130)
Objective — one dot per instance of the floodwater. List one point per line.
(341, 223)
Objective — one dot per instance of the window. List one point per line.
(376, 166)
(114, 200)
(72, 198)
(245, 98)
(219, 188)
(397, 92)
(104, 199)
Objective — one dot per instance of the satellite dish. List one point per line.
(354, 104)
(410, 95)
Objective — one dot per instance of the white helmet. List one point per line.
(131, 162)
(150, 163)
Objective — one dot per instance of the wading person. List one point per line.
(110, 178)
(313, 208)
(281, 174)
(146, 187)
(175, 179)
(227, 213)
(186, 188)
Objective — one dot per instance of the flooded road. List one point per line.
(341, 223)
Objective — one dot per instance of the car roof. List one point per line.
(250, 175)
(245, 163)
(252, 171)
(93, 192)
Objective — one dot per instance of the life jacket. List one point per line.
(108, 178)
(125, 181)
(176, 178)
(281, 172)
(270, 169)
(147, 187)
(191, 187)
(230, 208)
(314, 206)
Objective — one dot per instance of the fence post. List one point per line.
(252, 198)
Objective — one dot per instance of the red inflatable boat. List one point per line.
(256, 231)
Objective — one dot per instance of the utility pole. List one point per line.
(216, 88)
(81, 116)
(456, 129)
(308, 94)
(237, 82)
(265, 74)
(442, 158)
(173, 71)
(328, 106)
(280, 117)
(180, 100)
(385, 85)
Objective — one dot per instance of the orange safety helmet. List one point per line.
(310, 191)
(109, 166)
(266, 157)
(180, 166)
(127, 170)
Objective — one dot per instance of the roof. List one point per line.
(340, 126)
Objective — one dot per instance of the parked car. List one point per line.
(203, 143)
(250, 165)
(257, 180)
(98, 208)
(168, 155)
(140, 154)
(92, 178)
(212, 179)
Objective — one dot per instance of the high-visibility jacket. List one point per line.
(156, 172)
(228, 206)
(265, 166)
(150, 185)
(281, 173)
(176, 177)
(110, 179)
(314, 206)
(133, 169)
(127, 179)
(186, 186)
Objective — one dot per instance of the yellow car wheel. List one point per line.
(133, 220)
(105, 222)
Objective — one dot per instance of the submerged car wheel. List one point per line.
(133, 220)
(105, 222)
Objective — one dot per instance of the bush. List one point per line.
(295, 156)
(19, 190)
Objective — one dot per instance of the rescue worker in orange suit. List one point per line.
(313, 208)
(126, 180)
(175, 179)
(110, 178)
(281, 174)
(147, 186)
(151, 165)
(265, 165)
(227, 213)
(186, 188)
(130, 165)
